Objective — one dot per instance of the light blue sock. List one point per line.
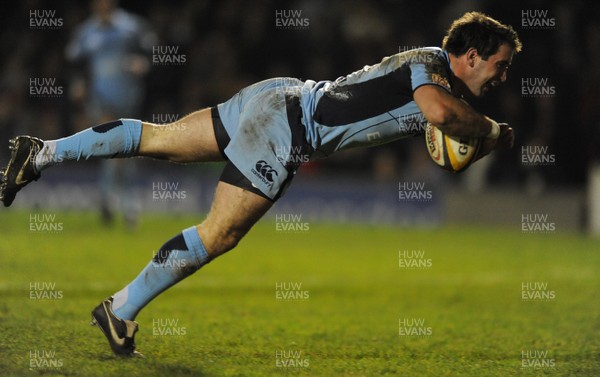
(119, 138)
(177, 259)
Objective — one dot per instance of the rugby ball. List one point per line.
(452, 153)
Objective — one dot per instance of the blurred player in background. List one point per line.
(113, 46)
(267, 130)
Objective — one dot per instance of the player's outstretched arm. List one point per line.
(452, 115)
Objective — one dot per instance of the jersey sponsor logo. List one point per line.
(265, 172)
(440, 80)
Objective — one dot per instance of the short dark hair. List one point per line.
(480, 31)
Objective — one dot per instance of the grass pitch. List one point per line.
(329, 300)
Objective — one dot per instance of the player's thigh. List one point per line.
(189, 139)
(233, 213)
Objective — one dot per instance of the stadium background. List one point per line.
(472, 222)
(230, 44)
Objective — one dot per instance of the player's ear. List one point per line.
(470, 55)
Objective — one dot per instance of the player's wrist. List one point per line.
(494, 131)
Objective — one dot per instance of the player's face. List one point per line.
(490, 73)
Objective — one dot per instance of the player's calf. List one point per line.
(30, 155)
(177, 259)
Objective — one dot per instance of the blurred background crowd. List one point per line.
(229, 44)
